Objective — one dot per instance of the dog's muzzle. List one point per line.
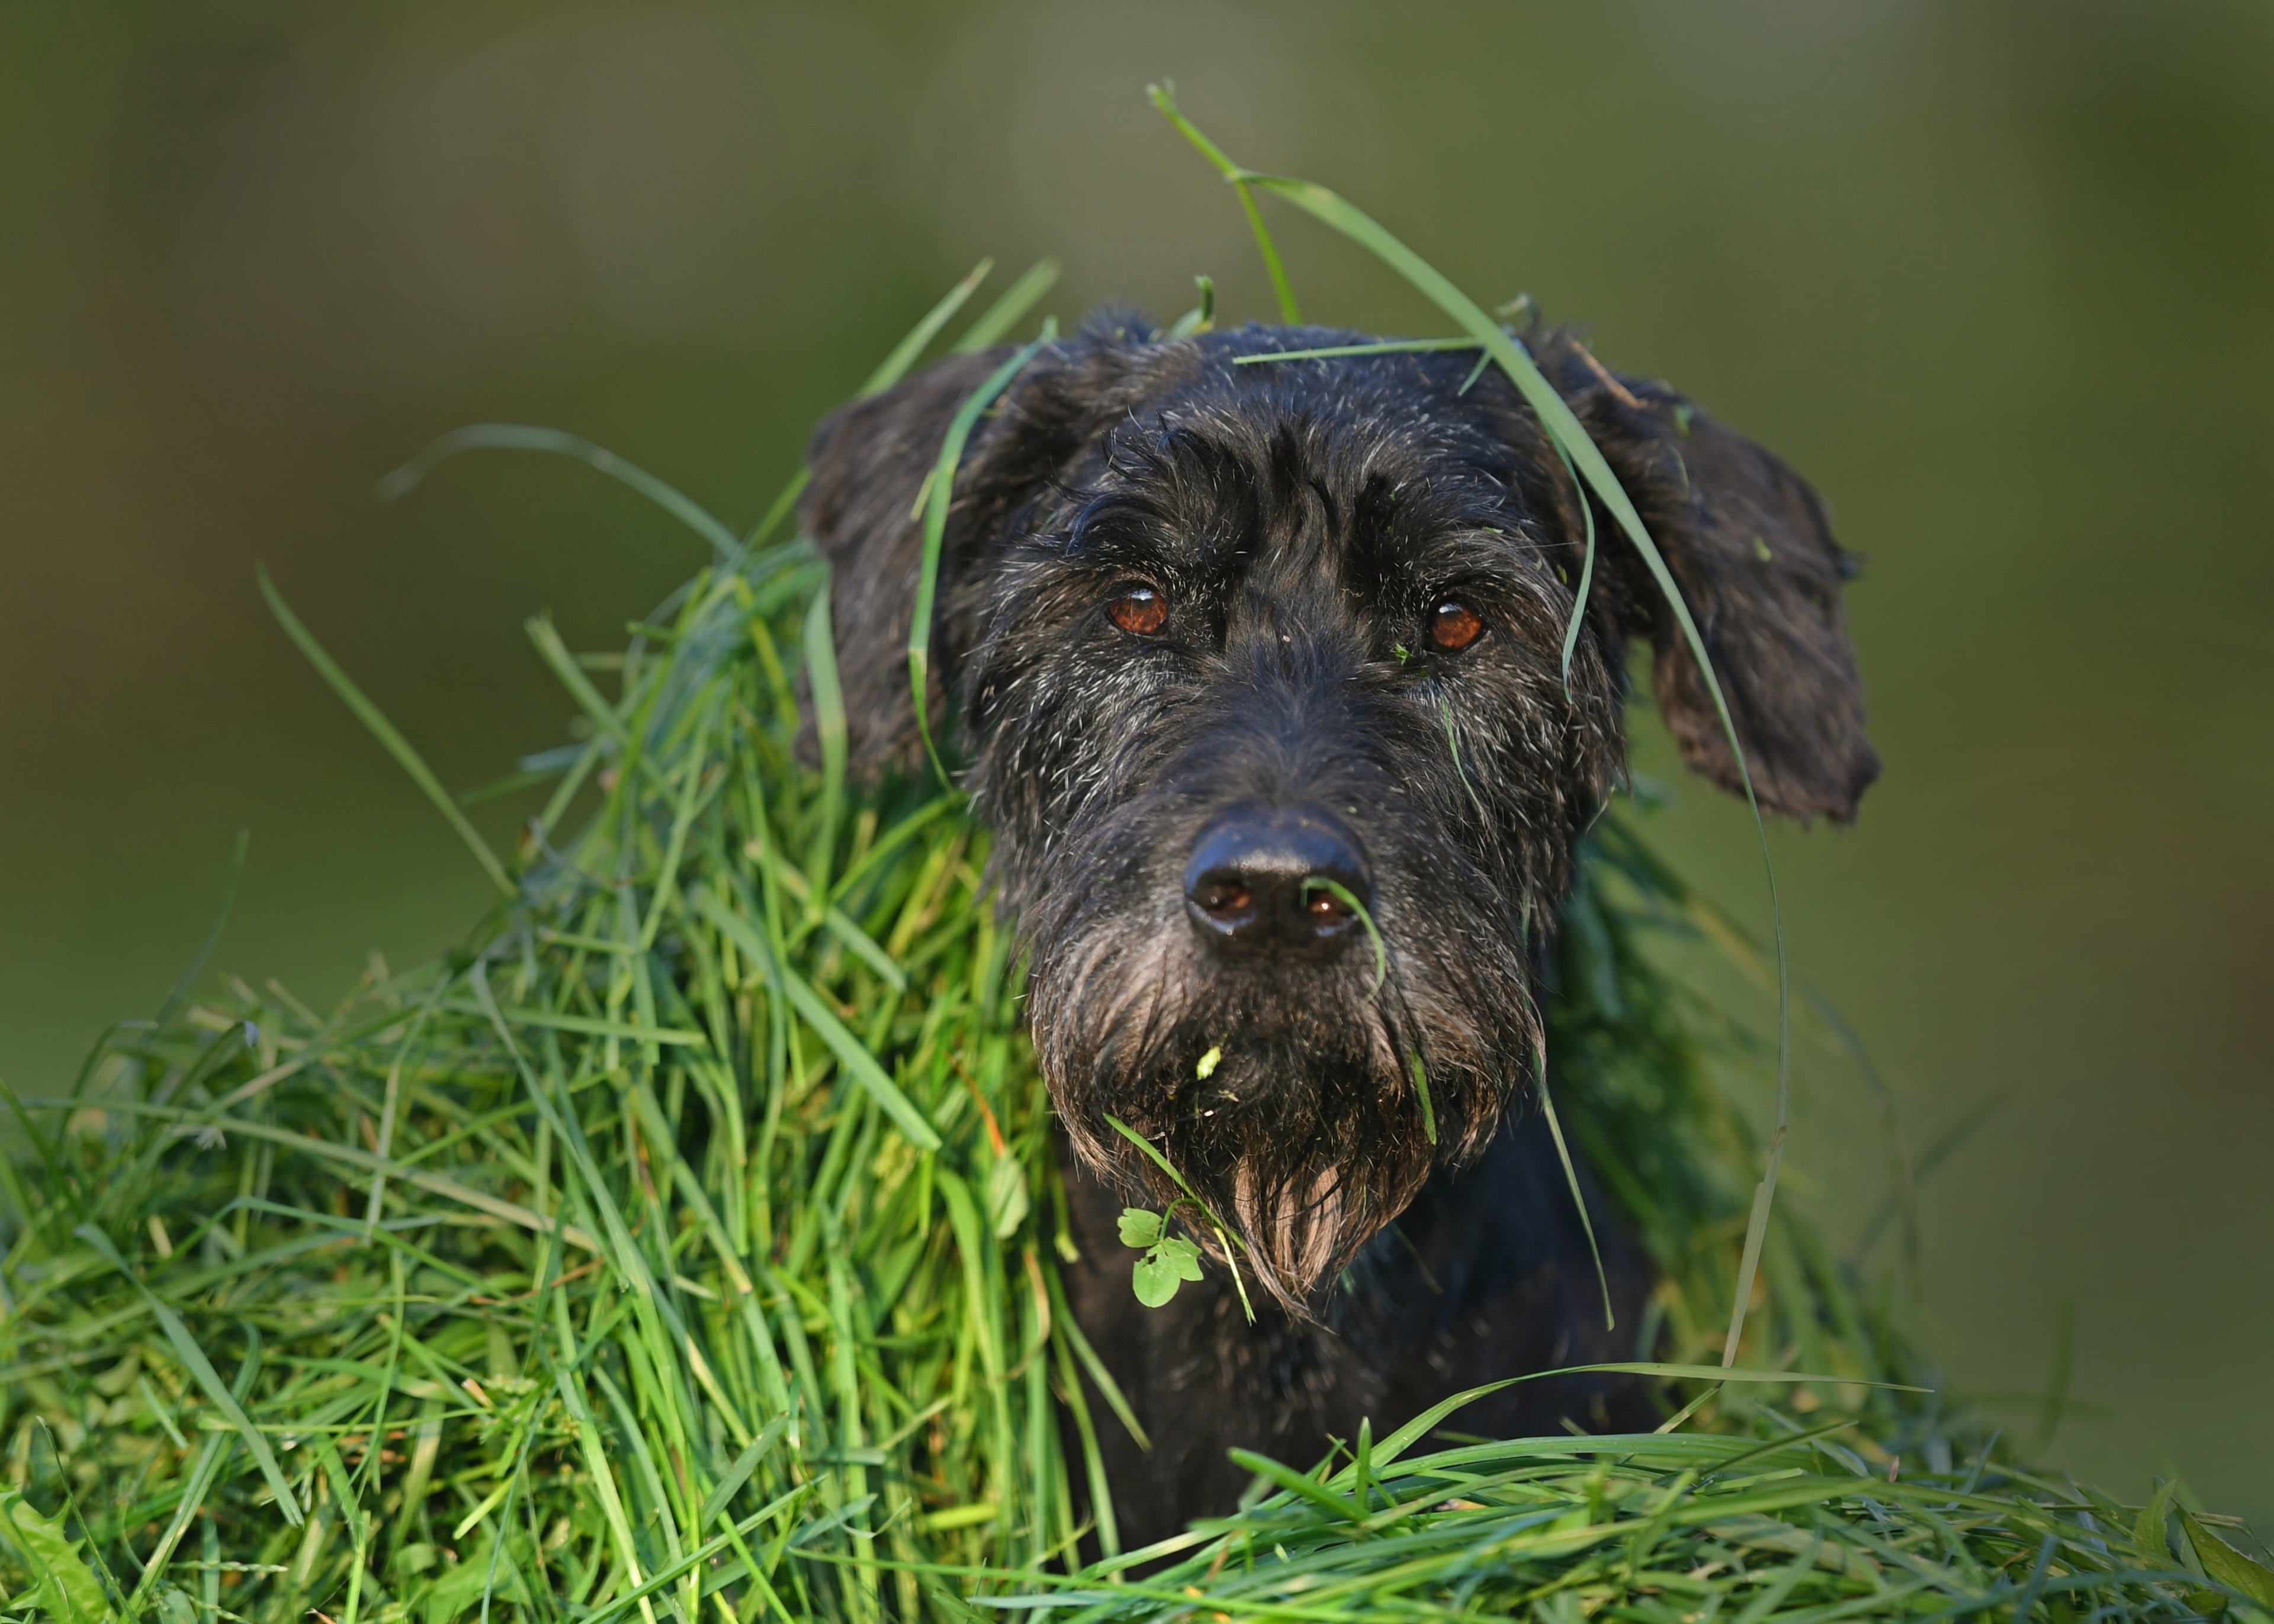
(1284, 880)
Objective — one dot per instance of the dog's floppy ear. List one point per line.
(1750, 546)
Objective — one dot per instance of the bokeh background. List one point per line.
(1996, 277)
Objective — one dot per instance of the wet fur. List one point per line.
(1301, 519)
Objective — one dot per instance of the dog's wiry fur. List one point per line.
(1301, 520)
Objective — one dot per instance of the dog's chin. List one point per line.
(1303, 1130)
(1294, 1100)
(1303, 1166)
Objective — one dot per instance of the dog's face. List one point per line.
(1262, 670)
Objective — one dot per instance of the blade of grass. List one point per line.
(196, 964)
(1093, 1462)
(59, 1179)
(1391, 1447)
(1772, 1596)
(849, 1050)
(527, 437)
(1571, 1180)
(888, 372)
(383, 729)
(1586, 573)
(600, 1472)
(722, 1493)
(1342, 894)
(1163, 96)
(201, 1370)
(2227, 1565)
(783, 504)
(1012, 303)
(391, 1102)
(1421, 1088)
(1062, 1318)
(1453, 743)
(436, 1184)
(693, 778)
(199, 1481)
(1297, 1483)
(1389, 346)
(605, 716)
(590, 1026)
(1202, 317)
(935, 534)
(905, 354)
(829, 728)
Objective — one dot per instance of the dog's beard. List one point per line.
(1309, 1132)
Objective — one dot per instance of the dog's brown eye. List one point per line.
(1139, 610)
(1454, 626)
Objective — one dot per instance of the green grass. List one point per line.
(685, 1245)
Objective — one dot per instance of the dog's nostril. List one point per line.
(1224, 900)
(1276, 879)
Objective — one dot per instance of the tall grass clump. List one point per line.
(688, 1244)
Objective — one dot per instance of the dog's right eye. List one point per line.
(1454, 626)
(1138, 610)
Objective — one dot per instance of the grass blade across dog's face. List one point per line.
(1260, 670)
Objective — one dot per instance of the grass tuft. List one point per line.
(684, 1246)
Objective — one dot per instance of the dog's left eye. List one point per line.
(1454, 626)
(1139, 610)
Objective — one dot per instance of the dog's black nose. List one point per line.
(1276, 880)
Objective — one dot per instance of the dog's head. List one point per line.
(1260, 668)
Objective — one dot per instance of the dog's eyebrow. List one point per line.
(1133, 533)
(1428, 524)
(1499, 543)
(1174, 500)
(1120, 526)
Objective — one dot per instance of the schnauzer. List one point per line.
(1259, 665)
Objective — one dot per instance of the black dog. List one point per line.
(1260, 665)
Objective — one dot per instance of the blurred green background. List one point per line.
(1996, 278)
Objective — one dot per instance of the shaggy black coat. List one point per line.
(1190, 602)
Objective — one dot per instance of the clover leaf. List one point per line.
(1168, 1259)
(1172, 1259)
(1138, 1228)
